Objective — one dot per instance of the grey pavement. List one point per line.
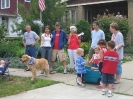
(63, 91)
(70, 90)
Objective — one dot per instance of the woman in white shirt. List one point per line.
(46, 49)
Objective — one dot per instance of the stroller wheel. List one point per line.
(10, 79)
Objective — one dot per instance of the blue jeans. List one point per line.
(119, 68)
(46, 53)
(31, 50)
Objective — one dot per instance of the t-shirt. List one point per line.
(47, 40)
(56, 45)
(74, 44)
(30, 37)
(96, 58)
(96, 36)
(118, 39)
(110, 61)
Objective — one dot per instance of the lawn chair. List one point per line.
(5, 73)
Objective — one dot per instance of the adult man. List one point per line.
(117, 37)
(58, 41)
(118, 15)
(29, 40)
(96, 35)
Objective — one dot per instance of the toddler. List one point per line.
(2, 64)
(95, 58)
(80, 64)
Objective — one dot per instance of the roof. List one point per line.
(89, 2)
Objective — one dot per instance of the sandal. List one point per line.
(99, 87)
(27, 69)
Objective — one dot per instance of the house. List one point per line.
(9, 13)
(88, 9)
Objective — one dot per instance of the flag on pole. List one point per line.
(41, 5)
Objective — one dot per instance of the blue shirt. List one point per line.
(96, 36)
(80, 64)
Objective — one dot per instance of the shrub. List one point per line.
(85, 46)
(104, 23)
(84, 26)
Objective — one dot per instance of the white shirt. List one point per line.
(47, 40)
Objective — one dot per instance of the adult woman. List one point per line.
(46, 48)
(73, 44)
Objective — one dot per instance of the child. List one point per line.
(2, 64)
(110, 61)
(95, 58)
(103, 49)
(80, 63)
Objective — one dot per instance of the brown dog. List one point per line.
(41, 64)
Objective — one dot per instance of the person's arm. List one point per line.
(121, 41)
(65, 38)
(36, 37)
(103, 35)
(69, 38)
(101, 55)
(42, 40)
(78, 39)
(91, 60)
(23, 41)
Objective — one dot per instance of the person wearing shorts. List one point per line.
(110, 61)
(117, 37)
(59, 39)
(96, 35)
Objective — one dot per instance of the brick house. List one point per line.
(87, 9)
(9, 13)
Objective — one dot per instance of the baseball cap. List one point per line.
(57, 23)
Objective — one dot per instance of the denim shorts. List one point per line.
(80, 75)
(119, 68)
(107, 78)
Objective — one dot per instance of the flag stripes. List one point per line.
(41, 5)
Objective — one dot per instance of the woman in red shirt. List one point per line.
(73, 44)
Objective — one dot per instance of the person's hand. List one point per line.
(24, 45)
(33, 44)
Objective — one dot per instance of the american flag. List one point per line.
(41, 5)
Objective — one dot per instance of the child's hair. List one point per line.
(114, 25)
(101, 42)
(111, 44)
(79, 50)
(97, 47)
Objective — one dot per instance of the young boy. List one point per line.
(110, 61)
(2, 64)
(80, 64)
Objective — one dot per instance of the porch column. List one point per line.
(130, 18)
(81, 13)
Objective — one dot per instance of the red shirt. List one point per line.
(110, 61)
(74, 44)
(56, 45)
(104, 49)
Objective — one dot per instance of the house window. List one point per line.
(5, 4)
(67, 16)
(27, 0)
(73, 16)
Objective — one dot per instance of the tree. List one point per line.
(84, 26)
(53, 13)
(2, 31)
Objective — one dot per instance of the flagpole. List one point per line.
(41, 21)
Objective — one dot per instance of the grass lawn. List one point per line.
(21, 84)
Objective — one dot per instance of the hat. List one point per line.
(57, 23)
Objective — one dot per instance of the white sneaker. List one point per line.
(65, 71)
(104, 92)
(110, 94)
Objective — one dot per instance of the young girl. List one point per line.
(103, 49)
(80, 64)
(95, 58)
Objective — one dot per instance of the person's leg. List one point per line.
(104, 82)
(71, 58)
(49, 52)
(118, 73)
(75, 57)
(43, 52)
(33, 51)
(62, 57)
(27, 50)
(110, 86)
(91, 52)
(80, 80)
(53, 58)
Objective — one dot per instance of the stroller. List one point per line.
(5, 72)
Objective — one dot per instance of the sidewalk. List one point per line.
(63, 91)
(125, 87)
